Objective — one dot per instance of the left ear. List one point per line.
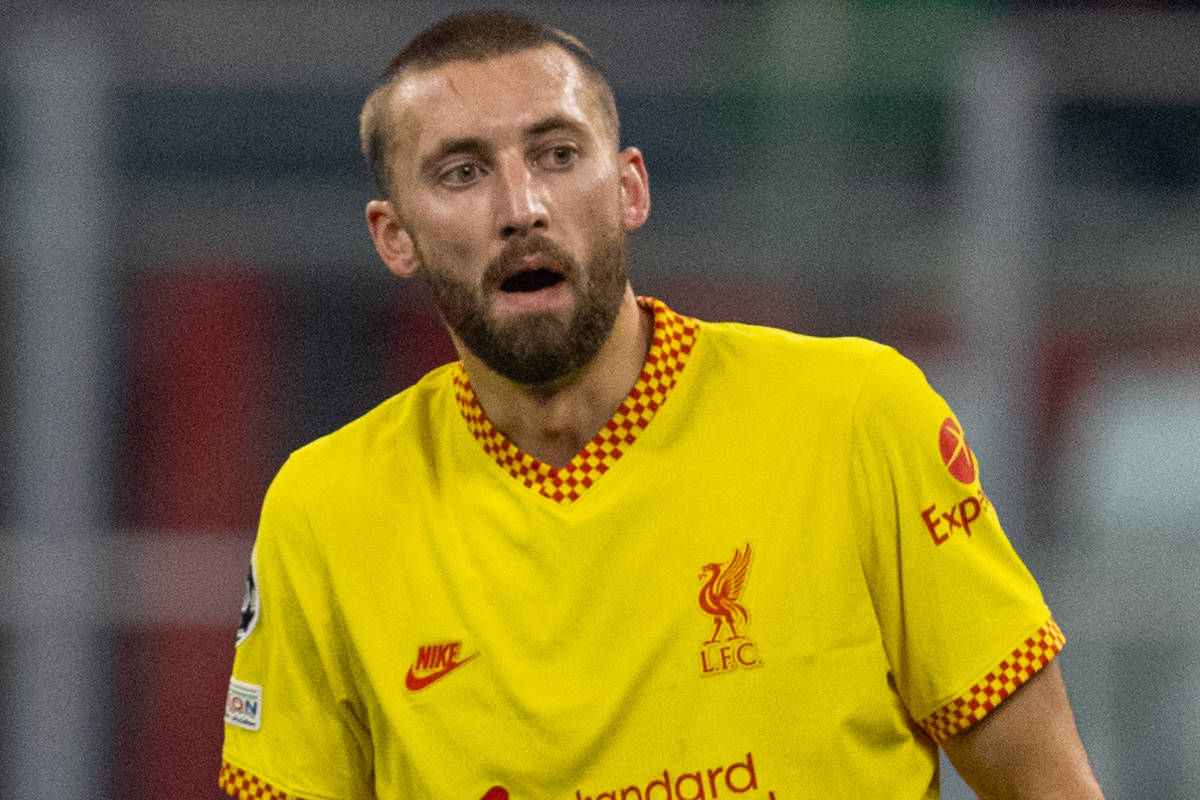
(635, 188)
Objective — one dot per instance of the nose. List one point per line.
(521, 201)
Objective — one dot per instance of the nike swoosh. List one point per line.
(417, 683)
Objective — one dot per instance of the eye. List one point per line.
(557, 157)
(459, 175)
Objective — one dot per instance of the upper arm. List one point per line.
(290, 725)
(1027, 747)
(967, 631)
(963, 621)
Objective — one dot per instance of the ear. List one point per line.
(635, 188)
(392, 241)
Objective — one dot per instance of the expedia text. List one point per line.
(941, 525)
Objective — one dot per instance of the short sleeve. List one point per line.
(963, 621)
(292, 730)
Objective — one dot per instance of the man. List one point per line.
(487, 587)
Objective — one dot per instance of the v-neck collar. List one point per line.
(674, 336)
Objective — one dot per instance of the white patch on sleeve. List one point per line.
(250, 600)
(243, 705)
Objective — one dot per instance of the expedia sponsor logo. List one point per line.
(721, 781)
(956, 455)
(721, 596)
(944, 522)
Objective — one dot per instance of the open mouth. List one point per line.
(531, 280)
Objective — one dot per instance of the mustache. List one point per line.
(512, 259)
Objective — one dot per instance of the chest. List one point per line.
(692, 617)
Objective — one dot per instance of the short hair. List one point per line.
(472, 36)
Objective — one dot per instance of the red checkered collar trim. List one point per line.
(674, 337)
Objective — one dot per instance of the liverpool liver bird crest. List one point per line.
(723, 588)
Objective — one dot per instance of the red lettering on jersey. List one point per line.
(435, 656)
(713, 774)
(751, 780)
(969, 511)
(694, 786)
(747, 654)
(434, 662)
(927, 516)
(425, 656)
(960, 516)
(739, 777)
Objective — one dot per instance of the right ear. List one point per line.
(392, 241)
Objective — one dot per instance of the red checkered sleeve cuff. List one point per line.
(244, 785)
(977, 702)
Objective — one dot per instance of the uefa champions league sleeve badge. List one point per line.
(250, 602)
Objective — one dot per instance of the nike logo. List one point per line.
(434, 662)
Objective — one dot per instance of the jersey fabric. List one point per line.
(773, 574)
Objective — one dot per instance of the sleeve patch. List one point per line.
(956, 454)
(250, 600)
(973, 705)
(243, 705)
(243, 785)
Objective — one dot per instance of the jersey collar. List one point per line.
(674, 337)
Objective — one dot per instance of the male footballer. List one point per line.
(615, 552)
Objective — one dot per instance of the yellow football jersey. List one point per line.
(772, 575)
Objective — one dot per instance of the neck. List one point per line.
(554, 423)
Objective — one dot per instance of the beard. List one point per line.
(536, 348)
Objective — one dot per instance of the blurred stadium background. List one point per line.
(1009, 193)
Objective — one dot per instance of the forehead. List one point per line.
(493, 98)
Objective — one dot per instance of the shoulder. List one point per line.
(395, 430)
(757, 342)
(772, 359)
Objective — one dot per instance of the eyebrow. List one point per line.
(473, 145)
(553, 124)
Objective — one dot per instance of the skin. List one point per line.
(516, 148)
(1027, 748)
